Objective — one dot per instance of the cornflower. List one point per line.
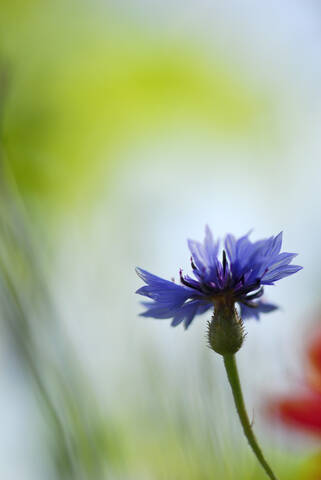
(232, 288)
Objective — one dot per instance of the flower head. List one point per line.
(238, 278)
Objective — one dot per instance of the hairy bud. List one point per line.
(226, 330)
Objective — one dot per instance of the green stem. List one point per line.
(234, 380)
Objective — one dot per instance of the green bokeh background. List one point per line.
(86, 82)
(84, 86)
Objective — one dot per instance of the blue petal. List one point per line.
(260, 260)
(162, 290)
(188, 312)
(254, 312)
(158, 310)
(210, 247)
(204, 255)
(280, 272)
(238, 252)
(170, 300)
(276, 245)
(230, 247)
(281, 259)
(196, 250)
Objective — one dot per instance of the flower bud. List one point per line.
(226, 330)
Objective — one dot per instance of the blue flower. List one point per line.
(246, 267)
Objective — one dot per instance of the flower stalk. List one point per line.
(234, 380)
(225, 337)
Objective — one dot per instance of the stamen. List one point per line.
(249, 288)
(224, 262)
(193, 264)
(185, 282)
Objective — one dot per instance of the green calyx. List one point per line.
(225, 330)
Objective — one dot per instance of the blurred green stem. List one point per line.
(234, 380)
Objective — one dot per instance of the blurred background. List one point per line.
(125, 127)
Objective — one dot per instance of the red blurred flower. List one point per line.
(302, 410)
